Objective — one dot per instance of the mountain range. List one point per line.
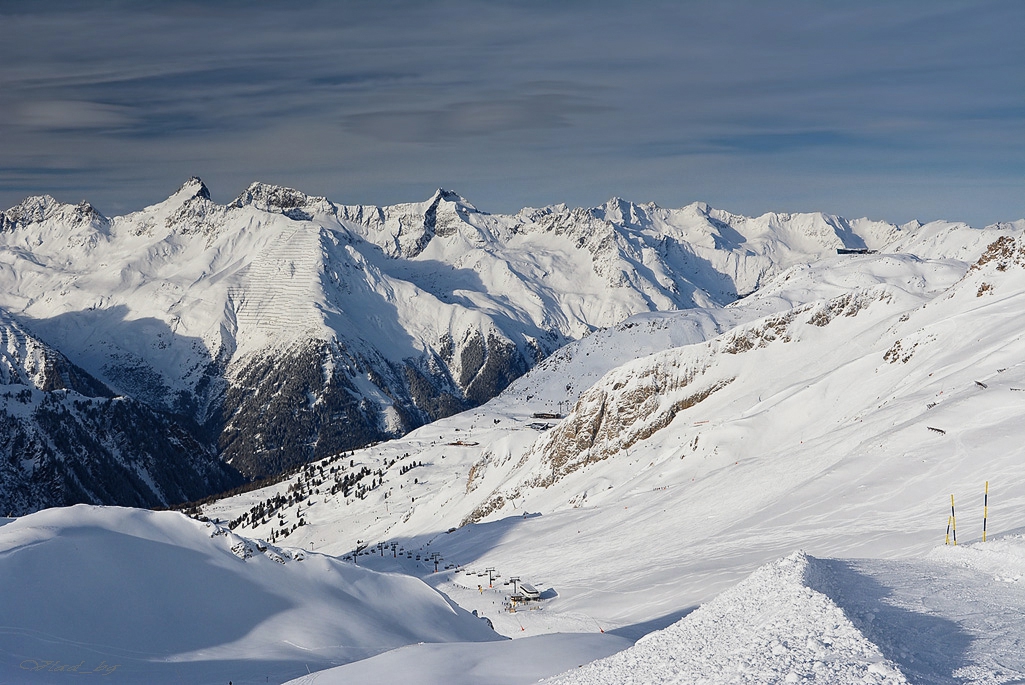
(243, 340)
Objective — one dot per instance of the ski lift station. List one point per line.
(525, 593)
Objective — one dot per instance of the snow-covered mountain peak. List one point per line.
(44, 208)
(406, 230)
(274, 198)
(531, 214)
(625, 213)
(30, 210)
(189, 209)
(1017, 225)
(441, 194)
(194, 187)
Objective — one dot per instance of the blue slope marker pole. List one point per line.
(985, 510)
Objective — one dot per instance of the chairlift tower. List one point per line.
(360, 546)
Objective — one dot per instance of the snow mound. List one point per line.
(770, 628)
(952, 616)
(158, 597)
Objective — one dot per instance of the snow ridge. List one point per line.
(770, 628)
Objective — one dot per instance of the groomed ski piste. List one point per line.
(752, 494)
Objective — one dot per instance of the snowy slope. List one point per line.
(26, 360)
(770, 628)
(291, 327)
(510, 662)
(653, 495)
(146, 597)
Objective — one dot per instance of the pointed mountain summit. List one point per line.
(194, 187)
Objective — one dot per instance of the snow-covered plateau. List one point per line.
(730, 453)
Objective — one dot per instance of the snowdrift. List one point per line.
(158, 597)
(952, 617)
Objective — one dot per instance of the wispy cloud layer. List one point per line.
(475, 118)
(747, 105)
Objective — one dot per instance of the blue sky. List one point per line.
(893, 110)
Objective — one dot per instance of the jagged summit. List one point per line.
(443, 195)
(622, 211)
(272, 197)
(30, 210)
(39, 208)
(194, 187)
(449, 195)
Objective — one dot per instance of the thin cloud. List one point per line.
(467, 119)
(71, 115)
(772, 143)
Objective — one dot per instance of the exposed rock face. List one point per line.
(284, 410)
(65, 439)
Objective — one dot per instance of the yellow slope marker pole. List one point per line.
(953, 520)
(985, 511)
(947, 541)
